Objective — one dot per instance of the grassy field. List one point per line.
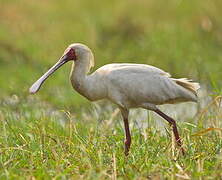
(58, 134)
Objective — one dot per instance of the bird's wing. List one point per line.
(132, 68)
(140, 82)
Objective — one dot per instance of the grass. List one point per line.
(58, 134)
(40, 142)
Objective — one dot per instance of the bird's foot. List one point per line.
(127, 146)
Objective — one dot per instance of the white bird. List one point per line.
(126, 85)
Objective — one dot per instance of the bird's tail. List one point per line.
(188, 84)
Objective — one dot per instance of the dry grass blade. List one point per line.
(200, 133)
(216, 102)
(114, 177)
(183, 174)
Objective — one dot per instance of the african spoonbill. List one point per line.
(127, 85)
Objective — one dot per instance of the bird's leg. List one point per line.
(175, 131)
(125, 114)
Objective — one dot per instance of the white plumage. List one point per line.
(127, 85)
(132, 85)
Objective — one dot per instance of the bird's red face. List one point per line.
(69, 54)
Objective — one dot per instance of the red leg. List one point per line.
(175, 131)
(125, 114)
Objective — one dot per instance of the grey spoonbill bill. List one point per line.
(126, 85)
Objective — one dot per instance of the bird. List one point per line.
(127, 85)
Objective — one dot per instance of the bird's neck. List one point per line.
(90, 86)
(78, 77)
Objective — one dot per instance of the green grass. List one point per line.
(58, 134)
(39, 141)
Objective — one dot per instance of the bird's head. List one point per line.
(75, 52)
(79, 53)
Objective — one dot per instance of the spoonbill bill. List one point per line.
(126, 85)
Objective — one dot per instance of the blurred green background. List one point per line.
(181, 37)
